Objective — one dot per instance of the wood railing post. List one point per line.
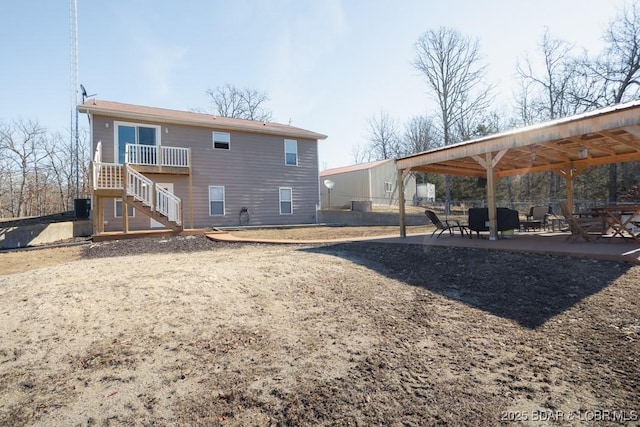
(153, 197)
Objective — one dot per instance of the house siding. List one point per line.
(251, 171)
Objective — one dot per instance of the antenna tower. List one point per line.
(73, 57)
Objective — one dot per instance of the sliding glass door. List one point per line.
(127, 133)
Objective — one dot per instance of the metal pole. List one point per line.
(77, 159)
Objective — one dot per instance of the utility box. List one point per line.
(361, 205)
(82, 208)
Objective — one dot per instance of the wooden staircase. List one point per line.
(154, 214)
(126, 181)
(122, 181)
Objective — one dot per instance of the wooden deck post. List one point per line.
(97, 213)
(125, 211)
(189, 160)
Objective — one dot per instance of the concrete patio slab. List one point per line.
(615, 249)
(546, 243)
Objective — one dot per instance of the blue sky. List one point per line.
(327, 65)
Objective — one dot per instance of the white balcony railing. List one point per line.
(97, 156)
(108, 176)
(175, 156)
(153, 155)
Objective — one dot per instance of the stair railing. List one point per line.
(139, 187)
(143, 189)
(168, 205)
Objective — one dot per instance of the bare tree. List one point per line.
(570, 84)
(36, 177)
(5, 185)
(451, 66)
(564, 86)
(240, 103)
(360, 154)
(420, 135)
(561, 87)
(384, 141)
(20, 143)
(550, 85)
(619, 71)
(619, 66)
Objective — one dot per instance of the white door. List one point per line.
(166, 186)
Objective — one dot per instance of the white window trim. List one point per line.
(115, 209)
(224, 202)
(213, 140)
(285, 152)
(116, 142)
(280, 200)
(388, 187)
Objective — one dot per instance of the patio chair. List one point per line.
(538, 217)
(585, 228)
(448, 225)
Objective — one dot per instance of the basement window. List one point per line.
(216, 200)
(286, 200)
(118, 209)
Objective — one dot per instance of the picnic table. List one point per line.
(623, 220)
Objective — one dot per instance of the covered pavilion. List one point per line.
(566, 146)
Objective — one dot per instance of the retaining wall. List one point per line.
(41, 234)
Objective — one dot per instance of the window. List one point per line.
(216, 200)
(118, 209)
(388, 187)
(221, 140)
(128, 133)
(291, 152)
(286, 201)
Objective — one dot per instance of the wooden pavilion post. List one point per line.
(491, 198)
(568, 175)
(401, 213)
(489, 163)
(569, 181)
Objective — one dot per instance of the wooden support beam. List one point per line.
(496, 159)
(190, 188)
(491, 198)
(125, 215)
(401, 219)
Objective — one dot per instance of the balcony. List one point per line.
(158, 159)
(109, 178)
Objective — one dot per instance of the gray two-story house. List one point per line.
(156, 168)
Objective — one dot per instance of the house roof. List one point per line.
(353, 168)
(162, 115)
(607, 135)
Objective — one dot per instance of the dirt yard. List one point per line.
(186, 331)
